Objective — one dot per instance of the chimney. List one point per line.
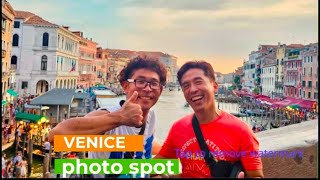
(78, 33)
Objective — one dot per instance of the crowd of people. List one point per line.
(14, 167)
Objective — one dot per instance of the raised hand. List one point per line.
(131, 112)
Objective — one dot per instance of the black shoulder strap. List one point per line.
(208, 158)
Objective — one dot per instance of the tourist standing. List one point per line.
(9, 132)
(17, 164)
(8, 169)
(220, 130)
(24, 165)
(3, 164)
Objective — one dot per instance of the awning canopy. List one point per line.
(12, 92)
(306, 104)
(4, 102)
(32, 118)
(28, 106)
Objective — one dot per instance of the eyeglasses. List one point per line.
(141, 83)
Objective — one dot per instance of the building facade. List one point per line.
(46, 55)
(268, 74)
(292, 71)
(87, 51)
(7, 19)
(310, 72)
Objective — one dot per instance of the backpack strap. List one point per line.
(220, 168)
(207, 156)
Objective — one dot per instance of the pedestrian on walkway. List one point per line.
(17, 164)
(24, 165)
(8, 170)
(9, 133)
(3, 163)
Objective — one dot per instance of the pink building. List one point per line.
(292, 73)
(88, 49)
(310, 72)
(101, 66)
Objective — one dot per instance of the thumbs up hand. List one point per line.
(131, 112)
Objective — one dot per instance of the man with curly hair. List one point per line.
(142, 80)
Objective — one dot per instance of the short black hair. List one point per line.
(205, 66)
(143, 63)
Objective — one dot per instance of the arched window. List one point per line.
(45, 39)
(44, 59)
(14, 62)
(15, 40)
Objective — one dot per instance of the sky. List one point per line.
(222, 32)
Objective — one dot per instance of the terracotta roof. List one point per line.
(30, 18)
(23, 14)
(295, 46)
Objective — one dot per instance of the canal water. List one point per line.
(169, 108)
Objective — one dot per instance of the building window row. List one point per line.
(5, 26)
(67, 44)
(307, 59)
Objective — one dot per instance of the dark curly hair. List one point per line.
(143, 63)
(206, 67)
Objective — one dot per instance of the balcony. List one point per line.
(83, 72)
(290, 83)
(292, 58)
(4, 53)
(13, 67)
(279, 84)
(291, 68)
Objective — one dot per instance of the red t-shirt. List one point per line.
(227, 137)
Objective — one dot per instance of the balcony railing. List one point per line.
(279, 84)
(13, 67)
(291, 58)
(83, 72)
(291, 68)
(290, 83)
(4, 53)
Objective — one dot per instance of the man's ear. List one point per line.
(124, 86)
(215, 87)
(161, 88)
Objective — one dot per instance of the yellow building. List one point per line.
(7, 28)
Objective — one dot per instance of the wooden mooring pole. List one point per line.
(30, 150)
(46, 164)
(24, 143)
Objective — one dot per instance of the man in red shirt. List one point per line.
(227, 137)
